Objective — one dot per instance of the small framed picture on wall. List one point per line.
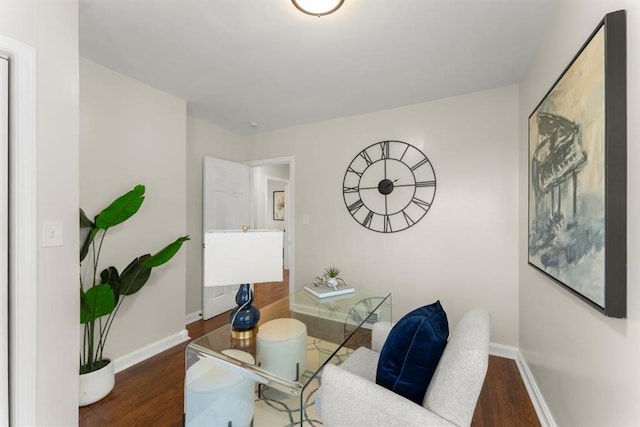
(278, 205)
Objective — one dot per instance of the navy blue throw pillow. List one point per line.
(412, 350)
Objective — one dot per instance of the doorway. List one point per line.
(277, 175)
(231, 191)
(270, 199)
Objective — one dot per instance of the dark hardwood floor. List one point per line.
(151, 393)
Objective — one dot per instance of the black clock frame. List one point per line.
(413, 206)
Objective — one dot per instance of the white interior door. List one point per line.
(4, 241)
(226, 205)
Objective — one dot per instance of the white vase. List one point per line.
(332, 281)
(97, 384)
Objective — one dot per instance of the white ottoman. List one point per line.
(281, 347)
(217, 396)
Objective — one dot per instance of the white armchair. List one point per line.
(350, 397)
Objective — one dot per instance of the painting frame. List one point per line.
(578, 148)
(278, 205)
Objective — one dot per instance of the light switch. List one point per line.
(51, 234)
(306, 220)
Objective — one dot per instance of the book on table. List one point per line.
(325, 291)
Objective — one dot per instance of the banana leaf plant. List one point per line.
(102, 297)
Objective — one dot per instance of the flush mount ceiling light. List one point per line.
(317, 7)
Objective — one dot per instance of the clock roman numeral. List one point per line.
(407, 218)
(355, 206)
(384, 147)
(422, 162)
(404, 152)
(352, 170)
(425, 184)
(366, 157)
(367, 219)
(421, 203)
(387, 224)
(350, 189)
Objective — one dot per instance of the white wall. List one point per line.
(133, 134)
(585, 364)
(203, 139)
(463, 252)
(52, 29)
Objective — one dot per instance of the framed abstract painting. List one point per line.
(578, 173)
(278, 205)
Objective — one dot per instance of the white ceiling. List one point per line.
(242, 61)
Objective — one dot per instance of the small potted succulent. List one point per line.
(332, 276)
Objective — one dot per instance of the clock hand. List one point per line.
(419, 184)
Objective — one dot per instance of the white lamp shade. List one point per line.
(233, 257)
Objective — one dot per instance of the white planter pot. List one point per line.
(97, 384)
(333, 282)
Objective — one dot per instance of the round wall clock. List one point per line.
(389, 186)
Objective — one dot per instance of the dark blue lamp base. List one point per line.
(244, 318)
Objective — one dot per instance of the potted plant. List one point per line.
(332, 276)
(102, 295)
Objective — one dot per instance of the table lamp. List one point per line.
(233, 257)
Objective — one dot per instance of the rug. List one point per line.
(277, 409)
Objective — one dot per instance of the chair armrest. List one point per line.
(349, 400)
(379, 335)
(363, 363)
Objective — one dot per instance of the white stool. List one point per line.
(281, 347)
(218, 396)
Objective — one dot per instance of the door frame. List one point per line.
(22, 231)
(4, 240)
(290, 209)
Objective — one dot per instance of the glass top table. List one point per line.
(271, 379)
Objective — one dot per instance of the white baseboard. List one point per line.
(502, 350)
(539, 404)
(192, 317)
(126, 361)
